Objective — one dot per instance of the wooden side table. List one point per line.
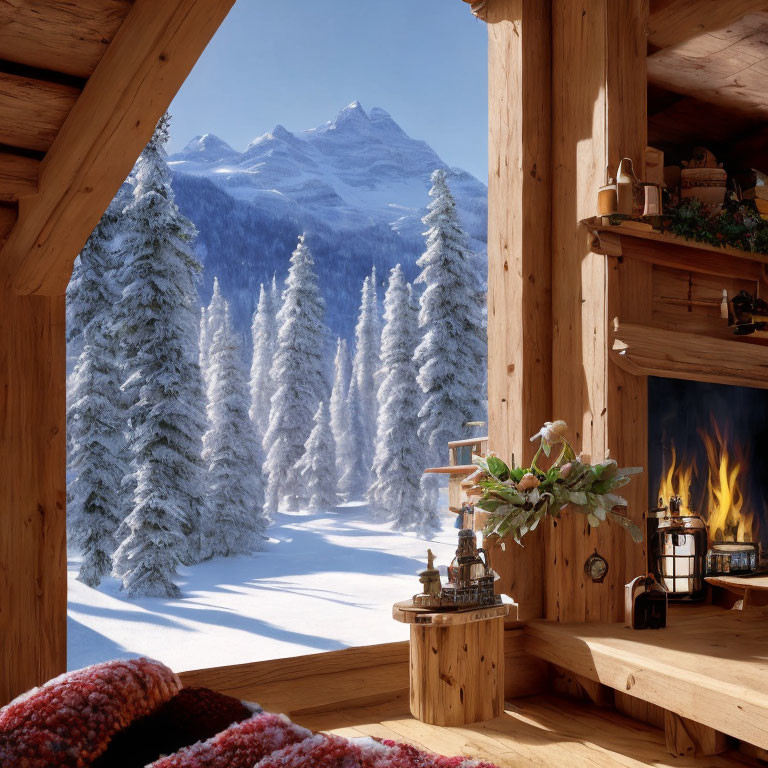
(457, 663)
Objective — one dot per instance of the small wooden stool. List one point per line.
(457, 663)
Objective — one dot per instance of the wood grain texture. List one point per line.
(18, 175)
(519, 276)
(708, 665)
(68, 36)
(674, 21)
(33, 575)
(650, 351)
(725, 66)
(407, 614)
(358, 676)
(599, 116)
(538, 732)
(33, 111)
(457, 672)
(8, 214)
(686, 738)
(147, 61)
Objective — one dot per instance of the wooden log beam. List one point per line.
(18, 176)
(598, 117)
(33, 563)
(68, 36)
(33, 111)
(672, 22)
(519, 277)
(136, 79)
(8, 214)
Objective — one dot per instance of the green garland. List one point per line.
(735, 225)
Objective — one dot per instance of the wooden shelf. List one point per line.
(644, 350)
(677, 249)
(708, 665)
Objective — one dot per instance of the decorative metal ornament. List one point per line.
(596, 567)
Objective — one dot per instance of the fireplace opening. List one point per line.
(708, 475)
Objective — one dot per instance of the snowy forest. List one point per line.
(183, 442)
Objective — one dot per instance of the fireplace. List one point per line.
(708, 457)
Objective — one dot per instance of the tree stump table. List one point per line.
(456, 664)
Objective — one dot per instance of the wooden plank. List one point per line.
(407, 614)
(726, 66)
(638, 709)
(68, 36)
(524, 675)
(662, 352)
(33, 111)
(33, 575)
(539, 732)
(599, 116)
(314, 681)
(710, 668)
(8, 214)
(146, 63)
(567, 683)
(672, 251)
(18, 175)
(674, 21)
(519, 277)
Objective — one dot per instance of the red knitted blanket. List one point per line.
(131, 714)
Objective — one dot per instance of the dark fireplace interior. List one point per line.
(708, 444)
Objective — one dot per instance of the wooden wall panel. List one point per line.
(598, 116)
(33, 576)
(519, 279)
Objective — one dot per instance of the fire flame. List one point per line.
(722, 503)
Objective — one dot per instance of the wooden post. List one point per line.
(457, 672)
(598, 116)
(519, 279)
(33, 574)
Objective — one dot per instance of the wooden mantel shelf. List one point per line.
(644, 350)
(675, 252)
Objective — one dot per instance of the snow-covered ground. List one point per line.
(325, 581)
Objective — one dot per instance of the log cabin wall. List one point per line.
(82, 86)
(567, 95)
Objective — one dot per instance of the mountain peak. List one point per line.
(208, 142)
(352, 115)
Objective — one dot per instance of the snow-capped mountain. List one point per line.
(357, 185)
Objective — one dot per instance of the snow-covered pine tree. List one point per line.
(366, 364)
(355, 473)
(398, 461)
(203, 339)
(264, 336)
(342, 373)
(318, 465)
(95, 413)
(299, 376)
(213, 317)
(236, 523)
(451, 354)
(157, 327)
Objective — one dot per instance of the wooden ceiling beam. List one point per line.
(18, 175)
(68, 36)
(33, 111)
(135, 81)
(671, 22)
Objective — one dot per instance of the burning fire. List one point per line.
(722, 502)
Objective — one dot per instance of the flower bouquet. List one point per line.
(517, 498)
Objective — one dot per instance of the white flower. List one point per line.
(552, 431)
(528, 482)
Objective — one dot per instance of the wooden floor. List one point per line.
(709, 665)
(541, 731)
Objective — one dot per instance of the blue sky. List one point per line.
(298, 62)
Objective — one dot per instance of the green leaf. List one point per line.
(498, 468)
(593, 520)
(546, 447)
(577, 497)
